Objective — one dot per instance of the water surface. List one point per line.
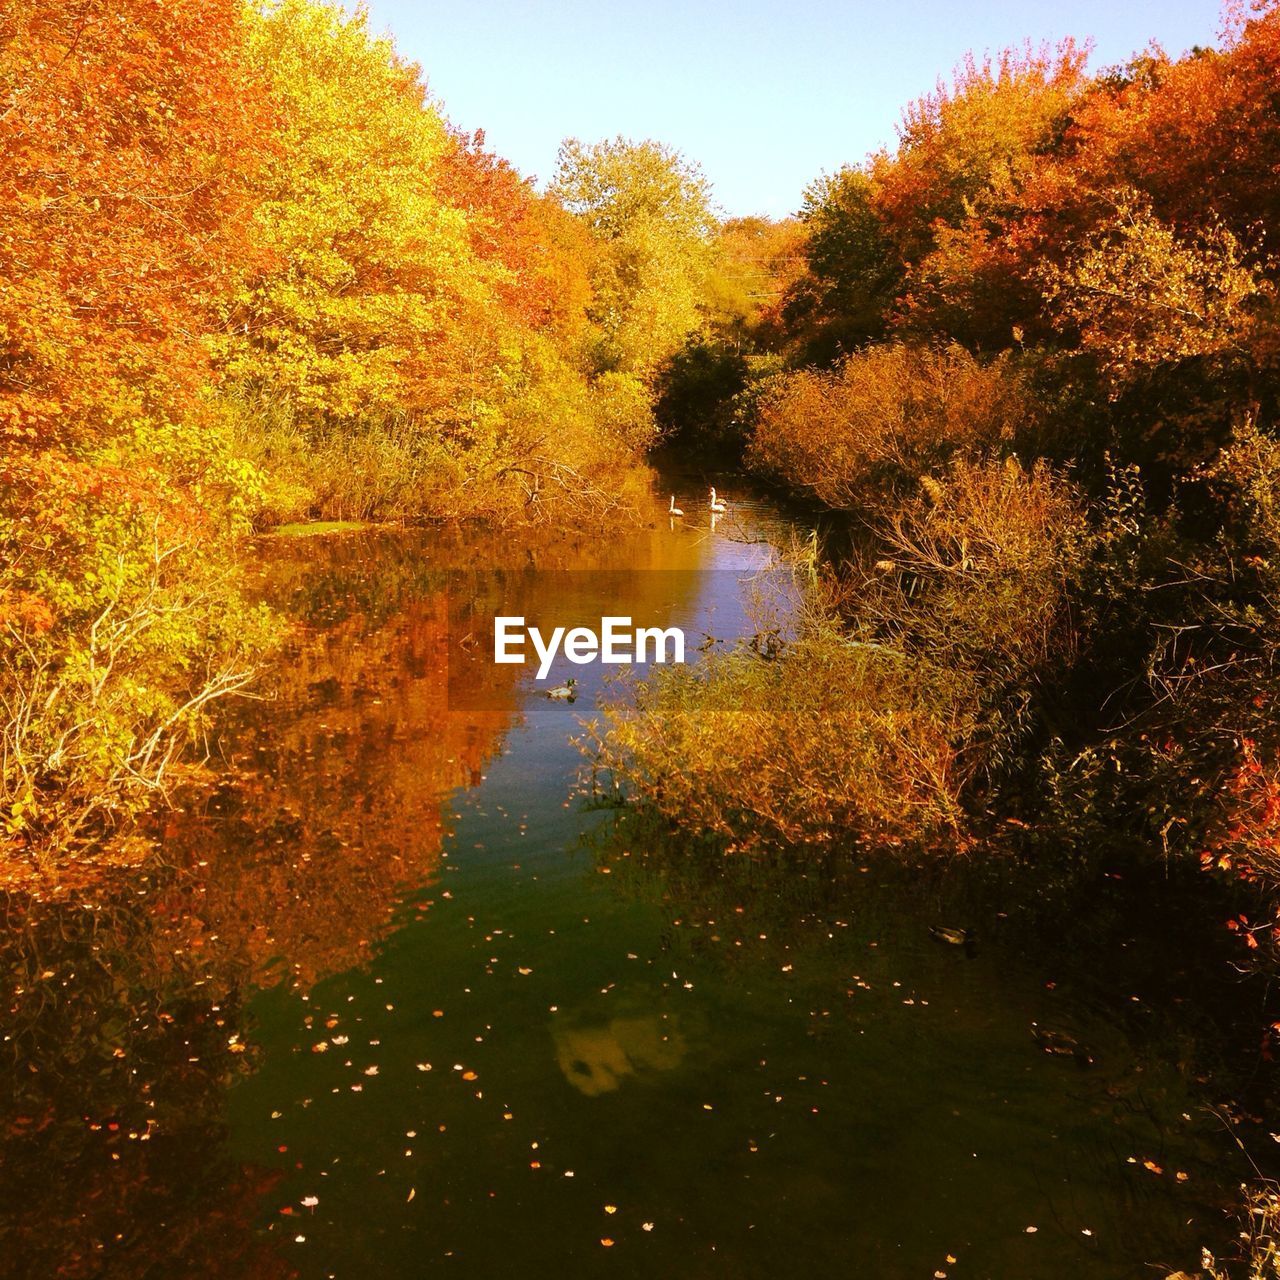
(394, 1002)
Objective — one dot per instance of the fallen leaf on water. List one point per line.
(412, 1192)
(646, 1226)
(1152, 1166)
(606, 1241)
(611, 1208)
(310, 1202)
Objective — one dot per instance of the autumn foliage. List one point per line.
(250, 272)
(124, 174)
(1031, 352)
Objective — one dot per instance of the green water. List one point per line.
(394, 1002)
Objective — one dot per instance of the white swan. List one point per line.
(673, 510)
(717, 506)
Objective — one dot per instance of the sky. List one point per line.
(764, 96)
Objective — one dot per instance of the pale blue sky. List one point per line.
(764, 96)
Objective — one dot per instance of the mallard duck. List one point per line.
(673, 510)
(1061, 1045)
(567, 690)
(717, 507)
(952, 937)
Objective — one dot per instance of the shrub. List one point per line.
(897, 695)
(883, 417)
(117, 632)
(834, 741)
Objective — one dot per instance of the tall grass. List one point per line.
(543, 461)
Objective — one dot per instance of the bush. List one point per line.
(559, 448)
(118, 631)
(884, 417)
(901, 691)
(833, 741)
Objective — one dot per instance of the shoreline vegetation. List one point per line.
(255, 277)
(1030, 360)
(1026, 364)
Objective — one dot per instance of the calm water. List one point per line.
(394, 1002)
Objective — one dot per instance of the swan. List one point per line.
(673, 510)
(717, 506)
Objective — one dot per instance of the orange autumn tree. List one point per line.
(126, 132)
(965, 155)
(918, 238)
(546, 254)
(1192, 141)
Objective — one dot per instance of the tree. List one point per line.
(963, 149)
(368, 269)
(756, 261)
(853, 273)
(650, 209)
(130, 133)
(1139, 296)
(128, 130)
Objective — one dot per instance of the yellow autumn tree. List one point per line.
(1140, 295)
(650, 209)
(367, 269)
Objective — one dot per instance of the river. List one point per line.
(393, 1000)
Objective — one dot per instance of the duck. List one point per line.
(1061, 1045)
(568, 690)
(673, 510)
(952, 937)
(717, 507)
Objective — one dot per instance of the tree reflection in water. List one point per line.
(124, 1027)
